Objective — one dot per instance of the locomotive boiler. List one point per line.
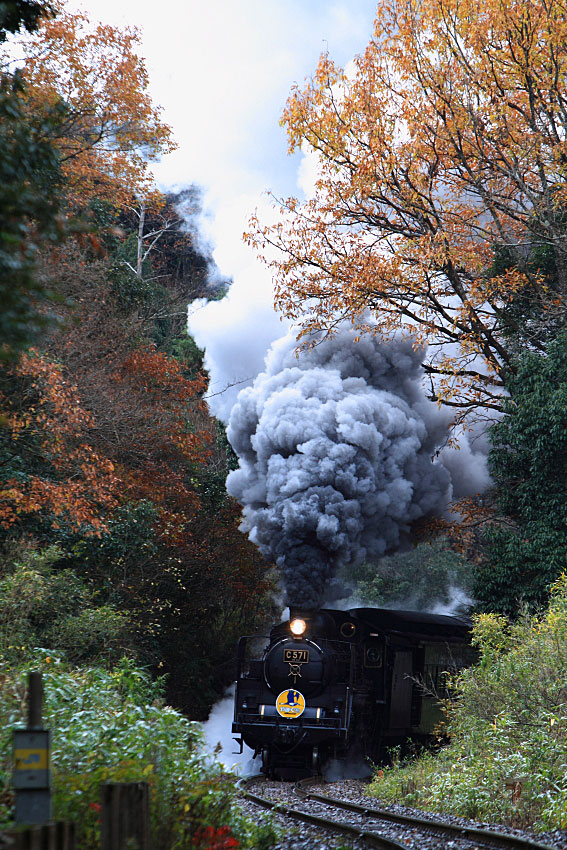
(333, 684)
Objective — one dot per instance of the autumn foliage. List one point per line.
(66, 479)
(111, 469)
(109, 128)
(214, 838)
(445, 143)
(152, 397)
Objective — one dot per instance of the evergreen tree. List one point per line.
(528, 461)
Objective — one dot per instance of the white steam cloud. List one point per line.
(219, 741)
(335, 450)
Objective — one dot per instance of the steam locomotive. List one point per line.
(344, 685)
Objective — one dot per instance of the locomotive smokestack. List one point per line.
(296, 613)
(335, 449)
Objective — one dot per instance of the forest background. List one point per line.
(112, 495)
(118, 538)
(113, 470)
(123, 578)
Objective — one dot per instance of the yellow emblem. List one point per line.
(31, 759)
(290, 703)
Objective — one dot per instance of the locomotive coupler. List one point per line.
(287, 735)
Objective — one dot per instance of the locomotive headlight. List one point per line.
(297, 627)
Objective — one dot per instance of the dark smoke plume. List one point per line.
(335, 450)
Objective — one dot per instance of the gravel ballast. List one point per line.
(299, 836)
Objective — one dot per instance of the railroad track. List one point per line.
(371, 824)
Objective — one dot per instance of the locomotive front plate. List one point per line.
(296, 656)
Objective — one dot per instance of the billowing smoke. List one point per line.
(335, 448)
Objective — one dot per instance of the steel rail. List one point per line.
(372, 838)
(486, 836)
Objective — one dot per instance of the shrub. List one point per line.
(42, 603)
(507, 760)
(112, 726)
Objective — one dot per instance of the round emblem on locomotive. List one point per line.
(290, 703)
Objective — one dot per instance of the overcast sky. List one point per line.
(222, 70)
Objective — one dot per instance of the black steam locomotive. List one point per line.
(344, 685)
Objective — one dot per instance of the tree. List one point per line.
(109, 460)
(147, 240)
(157, 267)
(528, 536)
(76, 120)
(172, 554)
(111, 128)
(429, 576)
(29, 194)
(49, 469)
(29, 211)
(447, 138)
(15, 14)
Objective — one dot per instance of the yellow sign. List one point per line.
(290, 703)
(31, 759)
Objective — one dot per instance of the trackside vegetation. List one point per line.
(113, 726)
(108, 717)
(507, 760)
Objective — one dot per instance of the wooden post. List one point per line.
(35, 701)
(32, 776)
(52, 836)
(125, 815)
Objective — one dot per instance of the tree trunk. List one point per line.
(140, 257)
